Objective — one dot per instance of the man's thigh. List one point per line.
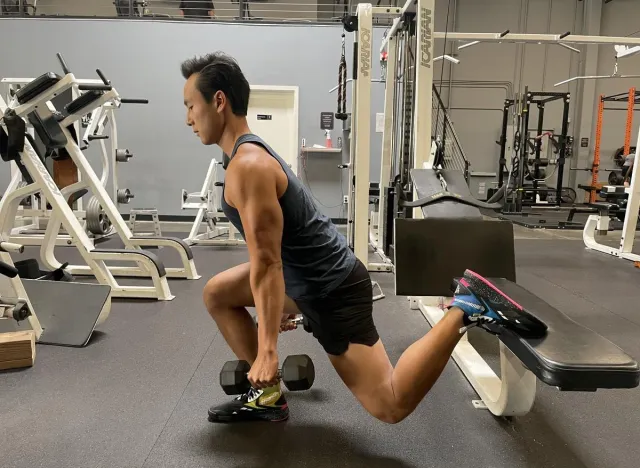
(233, 288)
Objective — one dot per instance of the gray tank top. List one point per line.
(315, 256)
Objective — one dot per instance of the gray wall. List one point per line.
(142, 59)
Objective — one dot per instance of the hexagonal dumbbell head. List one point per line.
(298, 372)
(233, 377)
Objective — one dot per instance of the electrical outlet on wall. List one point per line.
(345, 200)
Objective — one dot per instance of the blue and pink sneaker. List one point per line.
(484, 304)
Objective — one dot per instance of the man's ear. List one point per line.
(220, 101)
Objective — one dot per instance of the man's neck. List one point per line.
(234, 130)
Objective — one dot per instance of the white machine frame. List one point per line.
(14, 289)
(601, 223)
(512, 393)
(207, 202)
(87, 178)
(35, 219)
(63, 215)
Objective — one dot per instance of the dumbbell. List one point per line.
(300, 320)
(297, 373)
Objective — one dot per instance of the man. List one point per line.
(300, 263)
(197, 9)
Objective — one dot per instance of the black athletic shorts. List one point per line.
(345, 315)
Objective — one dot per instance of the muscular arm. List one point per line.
(252, 189)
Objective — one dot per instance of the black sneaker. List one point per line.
(255, 405)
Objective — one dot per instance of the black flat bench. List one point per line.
(571, 356)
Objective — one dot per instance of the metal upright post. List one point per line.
(503, 142)
(361, 155)
(536, 170)
(524, 149)
(422, 89)
(595, 167)
(633, 206)
(563, 148)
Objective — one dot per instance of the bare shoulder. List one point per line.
(252, 161)
(254, 173)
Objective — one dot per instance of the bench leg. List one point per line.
(512, 394)
(593, 224)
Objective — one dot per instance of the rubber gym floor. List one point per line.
(137, 395)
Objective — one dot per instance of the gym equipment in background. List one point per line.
(32, 219)
(58, 136)
(615, 176)
(33, 102)
(528, 200)
(209, 210)
(56, 312)
(18, 8)
(427, 260)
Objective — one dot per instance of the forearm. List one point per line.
(267, 285)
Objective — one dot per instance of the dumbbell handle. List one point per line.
(296, 321)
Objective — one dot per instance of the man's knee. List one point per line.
(390, 415)
(213, 294)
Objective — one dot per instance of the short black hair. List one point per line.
(220, 72)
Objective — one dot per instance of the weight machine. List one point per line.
(207, 204)
(33, 102)
(33, 215)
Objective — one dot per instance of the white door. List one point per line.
(273, 116)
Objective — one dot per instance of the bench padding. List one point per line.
(571, 357)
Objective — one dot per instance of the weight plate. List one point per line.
(124, 196)
(98, 222)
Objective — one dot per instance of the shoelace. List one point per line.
(251, 394)
(482, 322)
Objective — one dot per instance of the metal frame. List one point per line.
(101, 116)
(378, 225)
(358, 232)
(63, 214)
(598, 223)
(87, 179)
(207, 203)
(510, 394)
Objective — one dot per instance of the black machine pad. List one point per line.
(570, 356)
(68, 312)
(37, 87)
(426, 183)
(430, 252)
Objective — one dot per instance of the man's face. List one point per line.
(205, 118)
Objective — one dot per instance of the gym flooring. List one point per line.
(138, 394)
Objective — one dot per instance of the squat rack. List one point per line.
(632, 98)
